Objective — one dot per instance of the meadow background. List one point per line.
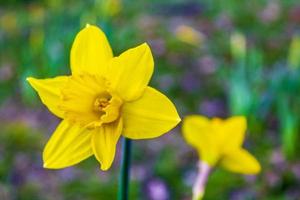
(212, 57)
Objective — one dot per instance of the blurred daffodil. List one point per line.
(189, 35)
(294, 52)
(110, 7)
(238, 45)
(104, 98)
(218, 142)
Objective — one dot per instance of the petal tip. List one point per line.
(178, 120)
(104, 167)
(145, 46)
(46, 166)
(32, 81)
(87, 25)
(29, 79)
(253, 170)
(257, 169)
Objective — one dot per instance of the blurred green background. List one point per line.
(212, 57)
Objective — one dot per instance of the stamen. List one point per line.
(100, 103)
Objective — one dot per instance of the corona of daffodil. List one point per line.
(103, 98)
(218, 142)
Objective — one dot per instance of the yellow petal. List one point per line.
(150, 116)
(69, 144)
(90, 52)
(196, 130)
(240, 161)
(131, 71)
(199, 133)
(233, 132)
(49, 91)
(104, 141)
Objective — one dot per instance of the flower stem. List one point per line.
(125, 170)
(199, 187)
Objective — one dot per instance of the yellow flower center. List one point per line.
(100, 103)
(88, 100)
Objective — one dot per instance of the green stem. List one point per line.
(125, 169)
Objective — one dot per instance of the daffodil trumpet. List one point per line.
(104, 98)
(218, 143)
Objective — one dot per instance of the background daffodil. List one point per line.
(219, 142)
(104, 98)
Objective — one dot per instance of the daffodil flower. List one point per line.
(104, 97)
(219, 142)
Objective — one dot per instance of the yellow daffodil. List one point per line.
(104, 97)
(189, 35)
(218, 142)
